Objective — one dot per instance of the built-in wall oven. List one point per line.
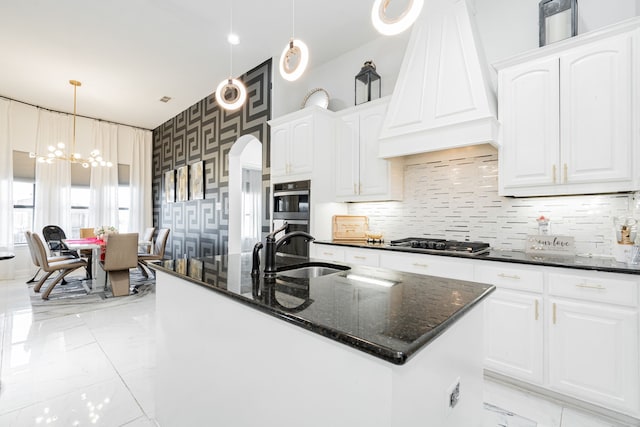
(291, 202)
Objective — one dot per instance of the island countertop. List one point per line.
(386, 313)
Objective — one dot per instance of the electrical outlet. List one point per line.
(453, 395)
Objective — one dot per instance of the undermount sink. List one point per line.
(311, 270)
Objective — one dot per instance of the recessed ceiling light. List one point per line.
(165, 99)
(233, 39)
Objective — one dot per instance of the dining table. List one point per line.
(95, 244)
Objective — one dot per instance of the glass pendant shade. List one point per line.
(231, 94)
(294, 60)
(368, 84)
(390, 26)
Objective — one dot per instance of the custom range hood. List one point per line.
(443, 97)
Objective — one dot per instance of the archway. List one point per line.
(245, 194)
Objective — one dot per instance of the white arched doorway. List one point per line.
(245, 194)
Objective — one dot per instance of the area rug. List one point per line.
(499, 417)
(73, 297)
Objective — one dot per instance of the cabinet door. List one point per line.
(593, 353)
(301, 146)
(596, 112)
(529, 112)
(514, 334)
(279, 151)
(347, 153)
(374, 171)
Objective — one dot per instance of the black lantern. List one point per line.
(368, 83)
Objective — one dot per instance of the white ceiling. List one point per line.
(130, 53)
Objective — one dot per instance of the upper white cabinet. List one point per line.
(443, 97)
(295, 139)
(568, 116)
(360, 174)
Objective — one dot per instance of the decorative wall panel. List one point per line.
(205, 132)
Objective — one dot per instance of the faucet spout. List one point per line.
(272, 246)
(255, 266)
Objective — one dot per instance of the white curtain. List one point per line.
(53, 180)
(6, 179)
(103, 206)
(140, 176)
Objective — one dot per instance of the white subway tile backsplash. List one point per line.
(458, 199)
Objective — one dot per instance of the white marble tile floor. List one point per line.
(97, 367)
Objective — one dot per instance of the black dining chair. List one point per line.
(54, 236)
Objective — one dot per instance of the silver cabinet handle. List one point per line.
(417, 264)
(566, 174)
(537, 311)
(509, 276)
(359, 257)
(555, 316)
(554, 174)
(327, 253)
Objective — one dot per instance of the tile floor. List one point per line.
(97, 368)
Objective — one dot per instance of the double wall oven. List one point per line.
(291, 202)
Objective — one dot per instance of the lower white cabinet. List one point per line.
(514, 322)
(593, 338)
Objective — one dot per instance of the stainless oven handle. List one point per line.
(291, 193)
(296, 221)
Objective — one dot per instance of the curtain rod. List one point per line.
(69, 114)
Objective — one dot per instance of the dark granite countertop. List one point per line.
(385, 313)
(577, 262)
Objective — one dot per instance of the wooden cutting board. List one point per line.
(350, 227)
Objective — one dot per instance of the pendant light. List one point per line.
(295, 56)
(231, 93)
(391, 26)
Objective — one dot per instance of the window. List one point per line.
(23, 201)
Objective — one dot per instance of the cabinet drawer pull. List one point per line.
(566, 179)
(355, 188)
(509, 276)
(554, 313)
(554, 174)
(588, 286)
(359, 257)
(327, 253)
(537, 312)
(417, 264)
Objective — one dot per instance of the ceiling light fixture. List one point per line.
(231, 93)
(58, 152)
(391, 26)
(295, 56)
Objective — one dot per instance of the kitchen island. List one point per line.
(363, 346)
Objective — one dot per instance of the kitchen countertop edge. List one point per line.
(575, 262)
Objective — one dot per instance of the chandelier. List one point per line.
(58, 151)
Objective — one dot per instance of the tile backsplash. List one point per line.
(454, 195)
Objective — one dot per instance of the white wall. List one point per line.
(506, 28)
(337, 76)
(509, 27)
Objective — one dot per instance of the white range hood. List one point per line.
(443, 97)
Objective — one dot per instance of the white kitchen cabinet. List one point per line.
(514, 326)
(568, 118)
(360, 174)
(430, 265)
(368, 257)
(301, 145)
(593, 339)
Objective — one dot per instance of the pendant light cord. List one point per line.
(231, 44)
(293, 18)
(73, 141)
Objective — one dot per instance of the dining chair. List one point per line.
(87, 253)
(35, 261)
(121, 254)
(146, 243)
(157, 254)
(64, 267)
(54, 236)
